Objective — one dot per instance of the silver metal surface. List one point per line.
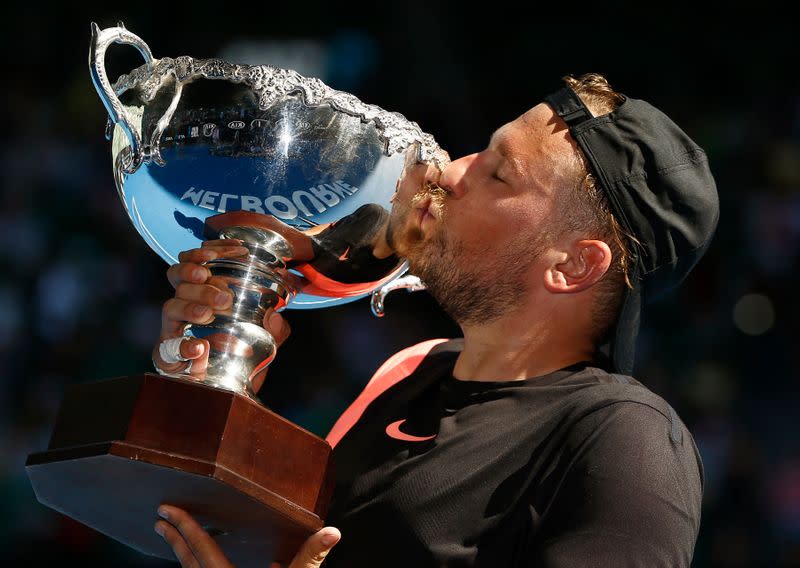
(201, 145)
(101, 41)
(239, 345)
(408, 282)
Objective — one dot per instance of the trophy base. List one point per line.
(258, 483)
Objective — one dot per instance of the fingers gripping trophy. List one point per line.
(279, 188)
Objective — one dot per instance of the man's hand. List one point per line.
(194, 547)
(198, 296)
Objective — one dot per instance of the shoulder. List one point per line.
(632, 481)
(404, 362)
(396, 368)
(619, 422)
(602, 392)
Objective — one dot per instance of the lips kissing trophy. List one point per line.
(303, 174)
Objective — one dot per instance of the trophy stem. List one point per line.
(240, 347)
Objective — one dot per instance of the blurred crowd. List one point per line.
(80, 292)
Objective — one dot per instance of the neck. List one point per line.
(516, 348)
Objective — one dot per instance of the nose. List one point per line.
(453, 177)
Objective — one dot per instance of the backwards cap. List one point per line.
(661, 191)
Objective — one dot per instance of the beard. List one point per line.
(472, 287)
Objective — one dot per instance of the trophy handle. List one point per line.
(101, 41)
(409, 281)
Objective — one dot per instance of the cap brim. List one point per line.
(622, 347)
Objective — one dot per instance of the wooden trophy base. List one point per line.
(121, 447)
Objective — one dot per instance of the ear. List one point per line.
(580, 267)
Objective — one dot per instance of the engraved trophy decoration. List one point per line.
(303, 174)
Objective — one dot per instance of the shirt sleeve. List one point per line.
(630, 495)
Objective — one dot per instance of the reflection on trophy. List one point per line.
(303, 175)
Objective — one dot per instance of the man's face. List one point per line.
(477, 242)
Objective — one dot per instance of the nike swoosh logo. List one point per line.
(393, 431)
(344, 254)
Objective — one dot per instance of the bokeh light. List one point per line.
(754, 314)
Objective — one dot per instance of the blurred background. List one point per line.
(81, 293)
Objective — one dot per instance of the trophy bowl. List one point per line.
(201, 145)
(304, 175)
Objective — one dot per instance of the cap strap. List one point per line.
(569, 106)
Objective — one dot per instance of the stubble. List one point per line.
(472, 286)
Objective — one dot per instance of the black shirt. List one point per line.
(574, 468)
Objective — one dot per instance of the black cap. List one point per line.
(660, 189)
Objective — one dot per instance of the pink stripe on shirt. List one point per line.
(395, 369)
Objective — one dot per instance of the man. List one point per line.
(526, 443)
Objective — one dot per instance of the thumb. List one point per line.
(316, 548)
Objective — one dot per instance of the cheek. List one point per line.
(493, 224)
(528, 217)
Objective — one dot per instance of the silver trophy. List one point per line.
(313, 168)
(304, 175)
